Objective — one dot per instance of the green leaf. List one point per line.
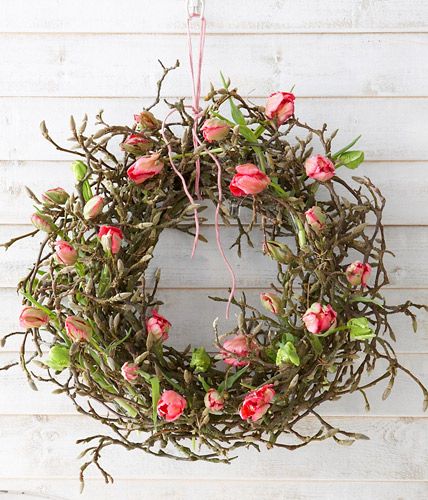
(204, 383)
(351, 159)
(34, 302)
(349, 146)
(316, 344)
(154, 382)
(360, 329)
(228, 383)
(130, 410)
(86, 190)
(104, 281)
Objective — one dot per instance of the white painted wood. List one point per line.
(191, 312)
(44, 447)
(211, 489)
(391, 128)
(405, 400)
(395, 180)
(359, 65)
(207, 269)
(336, 65)
(248, 16)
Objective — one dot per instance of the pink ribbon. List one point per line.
(197, 113)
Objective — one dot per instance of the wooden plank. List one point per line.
(385, 137)
(405, 400)
(192, 489)
(355, 65)
(43, 448)
(395, 180)
(207, 270)
(239, 16)
(180, 308)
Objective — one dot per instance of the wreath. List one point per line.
(92, 323)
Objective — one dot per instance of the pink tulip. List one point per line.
(171, 406)
(42, 222)
(214, 401)
(129, 371)
(65, 253)
(358, 273)
(214, 129)
(271, 302)
(31, 317)
(319, 168)
(158, 326)
(315, 217)
(55, 196)
(237, 348)
(280, 107)
(319, 319)
(257, 403)
(248, 180)
(93, 207)
(136, 144)
(111, 238)
(77, 329)
(145, 168)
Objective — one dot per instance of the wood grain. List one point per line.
(43, 448)
(395, 180)
(239, 16)
(387, 135)
(207, 270)
(355, 65)
(212, 489)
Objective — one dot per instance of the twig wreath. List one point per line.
(87, 299)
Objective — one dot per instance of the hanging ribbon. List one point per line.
(195, 9)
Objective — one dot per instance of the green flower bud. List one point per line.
(59, 358)
(287, 354)
(279, 252)
(79, 170)
(42, 222)
(360, 329)
(200, 361)
(56, 196)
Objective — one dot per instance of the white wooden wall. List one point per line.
(360, 65)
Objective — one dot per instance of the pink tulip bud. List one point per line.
(319, 168)
(280, 107)
(42, 222)
(146, 120)
(248, 180)
(316, 218)
(111, 238)
(214, 401)
(171, 406)
(129, 371)
(31, 317)
(93, 207)
(158, 327)
(319, 319)
(272, 302)
(358, 273)
(257, 403)
(145, 168)
(77, 329)
(136, 144)
(214, 129)
(56, 196)
(237, 348)
(65, 253)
